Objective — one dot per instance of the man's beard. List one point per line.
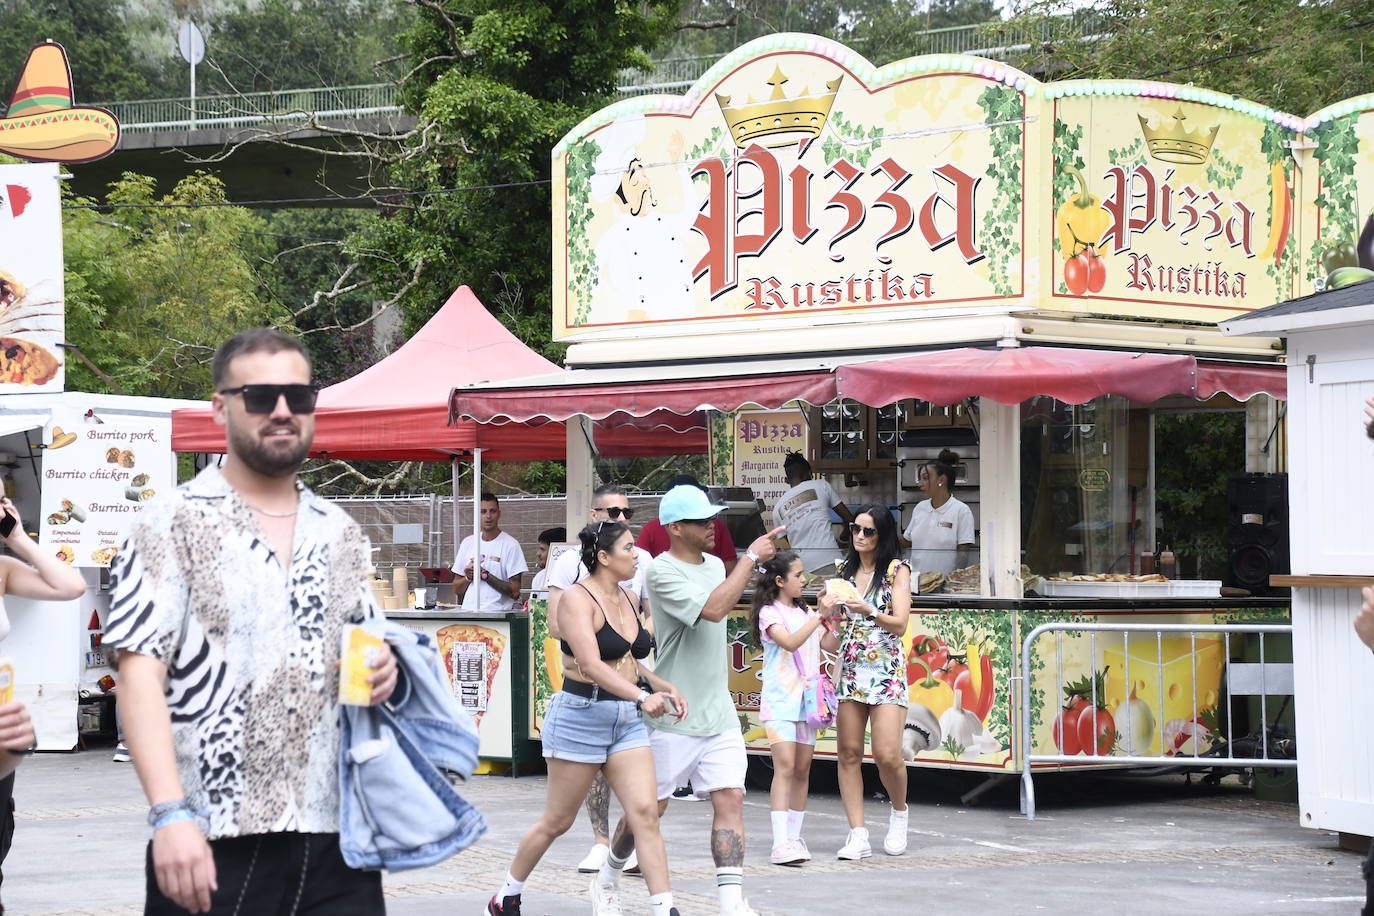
(266, 460)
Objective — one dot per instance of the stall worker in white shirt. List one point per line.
(547, 538)
(941, 528)
(805, 510)
(496, 575)
(610, 502)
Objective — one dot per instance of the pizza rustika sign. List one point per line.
(794, 180)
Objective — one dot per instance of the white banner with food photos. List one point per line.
(31, 297)
(96, 479)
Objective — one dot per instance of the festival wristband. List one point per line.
(172, 817)
(159, 811)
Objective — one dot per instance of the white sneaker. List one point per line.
(595, 859)
(605, 899)
(856, 845)
(802, 849)
(788, 852)
(894, 844)
(121, 754)
(632, 863)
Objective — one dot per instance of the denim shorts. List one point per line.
(583, 730)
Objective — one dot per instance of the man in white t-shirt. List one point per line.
(805, 510)
(609, 502)
(496, 576)
(547, 538)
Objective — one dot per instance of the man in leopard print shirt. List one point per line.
(228, 600)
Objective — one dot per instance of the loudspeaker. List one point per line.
(1256, 531)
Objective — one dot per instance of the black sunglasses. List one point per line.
(617, 512)
(263, 398)
(856, 528)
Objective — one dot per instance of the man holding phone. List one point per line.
(692, 597)
(228, 602)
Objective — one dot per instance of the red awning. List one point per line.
(398, 408)
(1011, 375)
(625, 401)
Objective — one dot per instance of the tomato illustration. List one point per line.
(1097, 271)
(1076, 274)
(1066, 727)
(1096, 731)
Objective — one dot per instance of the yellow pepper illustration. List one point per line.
(931, 692)
(1081, 221)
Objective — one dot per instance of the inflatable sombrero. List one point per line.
(42, 125)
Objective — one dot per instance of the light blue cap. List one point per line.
(683, 502)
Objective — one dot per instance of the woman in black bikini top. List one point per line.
(590, 725)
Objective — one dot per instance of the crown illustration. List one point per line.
(784, 121)
(1179, 144)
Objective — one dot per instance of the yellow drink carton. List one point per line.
(6, 680)
(355, 665)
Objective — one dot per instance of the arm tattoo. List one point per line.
(599, 806)
(727, 848)
(624, 842)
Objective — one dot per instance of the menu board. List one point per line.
(31, 291)
(762, 441)
(96, 479)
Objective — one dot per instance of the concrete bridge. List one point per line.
(237, 135)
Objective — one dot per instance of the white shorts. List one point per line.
(708, 762)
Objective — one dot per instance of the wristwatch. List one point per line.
(643, 695)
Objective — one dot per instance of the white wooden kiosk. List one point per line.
(51, 641)
(1331, 505)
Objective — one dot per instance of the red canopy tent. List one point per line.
(398, 409)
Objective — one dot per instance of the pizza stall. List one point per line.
(881, 263)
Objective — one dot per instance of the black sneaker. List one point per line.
(509, 906)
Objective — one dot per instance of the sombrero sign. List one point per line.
(43, 125)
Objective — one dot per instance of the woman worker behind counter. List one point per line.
(940, 533)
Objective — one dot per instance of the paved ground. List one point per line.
(1135, 846)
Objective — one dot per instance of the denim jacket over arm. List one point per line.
(397, 808)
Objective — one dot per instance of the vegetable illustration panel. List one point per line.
(1341, 222)
(31, 281)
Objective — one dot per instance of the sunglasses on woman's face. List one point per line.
(616, 512)
(300, 399)
(856, 528)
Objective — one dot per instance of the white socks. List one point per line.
(509, 888)
(609, 876)
(661, 904)
(730, 887)
(780, 827)
(794, 824)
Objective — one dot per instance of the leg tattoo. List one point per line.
(623, 843)
(599, 806)
(727, 848)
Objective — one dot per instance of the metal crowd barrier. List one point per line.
(1260, 679)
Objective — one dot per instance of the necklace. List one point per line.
(271, 514)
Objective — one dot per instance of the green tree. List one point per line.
(300, 44)
(99, 43)
(1296, 55)
(495, 85)
(151, 291)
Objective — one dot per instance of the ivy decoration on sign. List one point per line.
(850, 141)
(1337, 145)
(1066, 153)
(582, 278)
(1222, 172)
(712, 147)
(1004, 111)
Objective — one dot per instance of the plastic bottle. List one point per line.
(1147, 563)
(1168, 565)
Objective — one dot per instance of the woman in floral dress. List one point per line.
(872, 686)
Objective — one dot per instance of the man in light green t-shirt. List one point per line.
(691, 597)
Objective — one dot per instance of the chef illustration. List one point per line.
(644, 259)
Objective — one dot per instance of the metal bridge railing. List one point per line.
(1242, 679)
(253, 108)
